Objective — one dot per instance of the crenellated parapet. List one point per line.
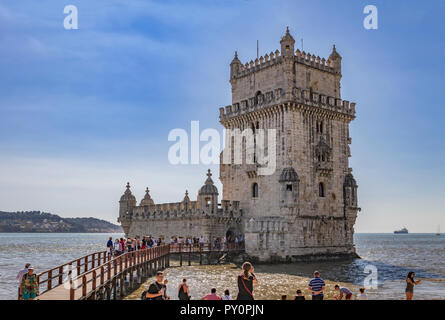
(274, 58)
(300, 96)
(177, 210)
(206, 206)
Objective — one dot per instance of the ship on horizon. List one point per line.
(401, 231)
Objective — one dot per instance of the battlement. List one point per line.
(183, 209)
(301, 96)
(274, 58)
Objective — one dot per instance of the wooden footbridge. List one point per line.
(100, 276)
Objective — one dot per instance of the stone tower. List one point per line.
(308, 206)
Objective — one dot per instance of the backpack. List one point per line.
(144, 295)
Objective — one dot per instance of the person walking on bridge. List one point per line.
(110, 247)
(20, 277)
(29, 288)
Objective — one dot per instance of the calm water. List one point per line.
(392, 255)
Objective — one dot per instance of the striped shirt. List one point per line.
(316, 284)
(345, 290)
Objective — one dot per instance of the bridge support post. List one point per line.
(114, 289)
(190, 255)
(131, 277)
(121, 286)
(138, 274)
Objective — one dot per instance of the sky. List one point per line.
(84, 111)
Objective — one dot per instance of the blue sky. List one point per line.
(84, 111)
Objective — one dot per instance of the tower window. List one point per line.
(288, 187)
(321, 191)
(255, 190)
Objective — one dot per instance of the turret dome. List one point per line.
(288, 175)
(350, 181)
(147, 200)
(208, 188)
(128, 196)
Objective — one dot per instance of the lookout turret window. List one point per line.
(321, 191)
(255, 190)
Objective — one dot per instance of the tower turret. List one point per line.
(235, 66)
(208, 196)
(289, 182)
(147, 201)
(126, 204)
(335, 59)
(287, 45)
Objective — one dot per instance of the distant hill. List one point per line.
(36, 221)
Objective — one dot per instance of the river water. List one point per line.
(384, 257)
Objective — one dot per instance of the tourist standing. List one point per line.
(20, 277)
(29, 287)
(343, 291)
(236, 242)
(226, 295)
(117, 247)
(144, 243)
(410, 282)
(211, 296)
(122, 245)
(201, 243)
(317, 286)
(183, 290)
(299, 295)
(362, 295)
(166, 297)
(246, 281)
(110, 247)
(155, 290)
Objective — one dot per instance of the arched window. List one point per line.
(255, 190)
(321, 191)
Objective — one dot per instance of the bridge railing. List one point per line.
(97, 277)
(54, 277)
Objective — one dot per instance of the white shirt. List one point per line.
(225, 297)
(21, 274)
(362, 296)
(201, 240)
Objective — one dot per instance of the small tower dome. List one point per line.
(287, 44)
(147, 200)
(128, 196)
(335, 59)
(208, 196)
(288, 175)
(350, 181)
(208, 188)
(235, 66)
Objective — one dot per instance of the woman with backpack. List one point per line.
(183, 290)
(246, 281)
